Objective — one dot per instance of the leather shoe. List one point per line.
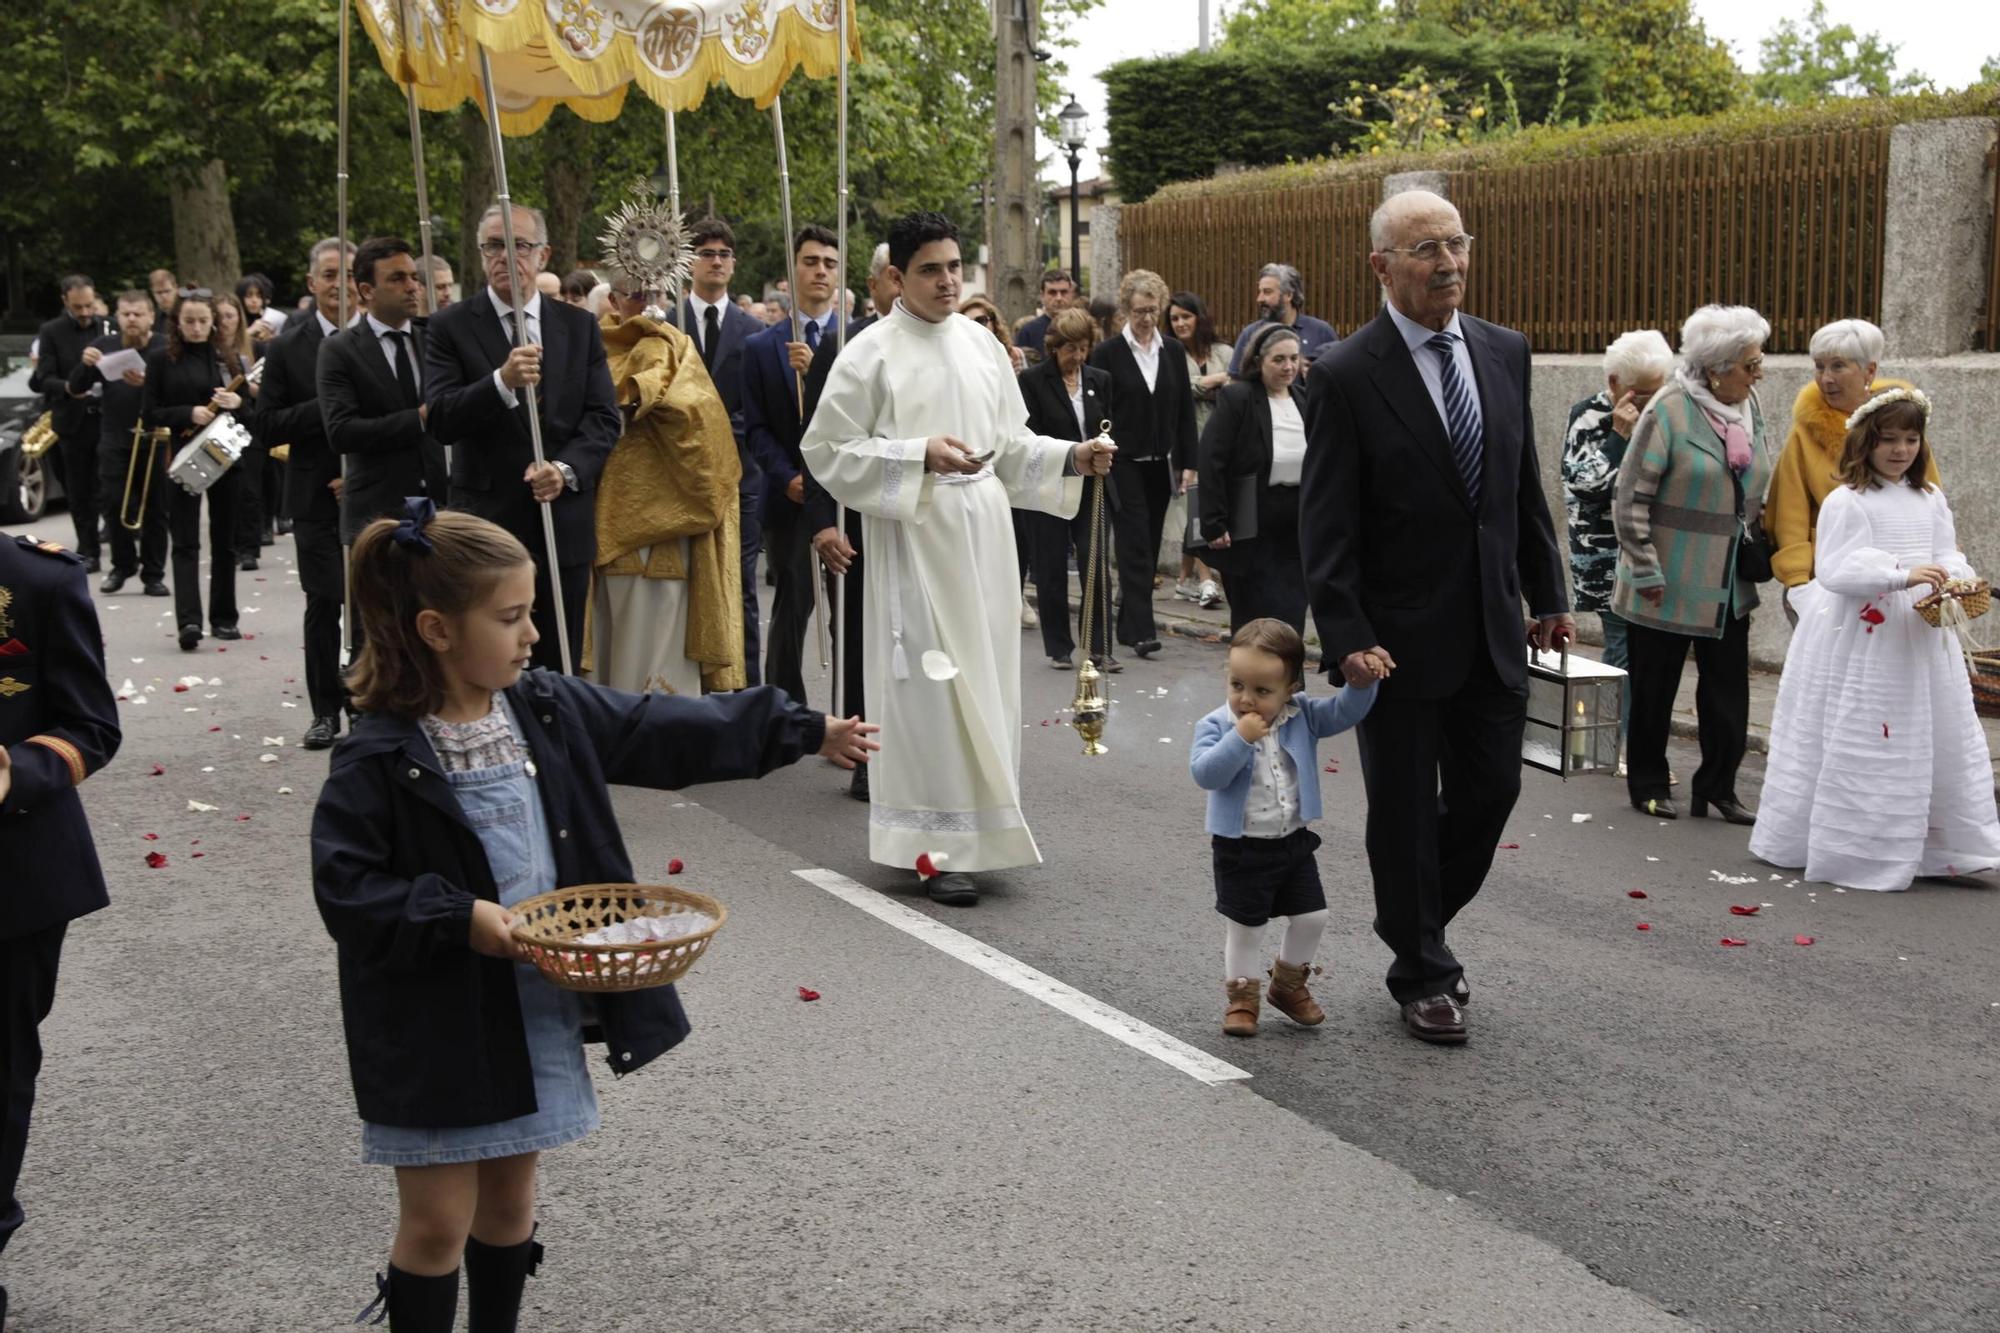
(1435, 1018)
(953, 890)
(114, 583)
(1146, 649)
(321, 733)
(1728, 807)
(1063, 663)
(857, 786)
(190, 638)
(1108, 664)
(91, 565)
(1660, 807)
(247, 563)
(156, 588)
(228, 632)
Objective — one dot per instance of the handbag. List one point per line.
(1753, 555)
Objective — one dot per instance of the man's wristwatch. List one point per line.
(568, 475)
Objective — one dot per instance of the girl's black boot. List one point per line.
(413, 1304)
(494, 1278)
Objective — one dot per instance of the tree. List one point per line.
(1804, 64)
(1297, 22)
(1990, 71)
(1660, 59)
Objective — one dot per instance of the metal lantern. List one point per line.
(1573, 707)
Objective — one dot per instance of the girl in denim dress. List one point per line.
(469, 785)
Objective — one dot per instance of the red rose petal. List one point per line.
(150, 837)
(157, 772)
(199, 855)
(1731, 942)
(155, 860)
(674, 867)
(1885, 731)
(1510, 846)
(242, 819)
(215, 728)
(1331, 767)
(805, 994)
(1645, 925)
(1802, 939)
(1635, 893)
(1738, 909)
(180, 689)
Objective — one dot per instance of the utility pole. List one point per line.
(1016, 189)
(1204, 27)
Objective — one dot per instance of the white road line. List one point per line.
(1083, 1008)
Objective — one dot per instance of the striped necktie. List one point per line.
(1461, 415)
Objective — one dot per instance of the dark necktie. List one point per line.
(711, 336)
(1461, 415)
(812, 334)
(406, 374)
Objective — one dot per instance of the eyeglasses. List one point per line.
(1456, 246)
(987, 320)
(1145, 312)
(715, 254)
(1751, 365)
(495, 248)
(195, 294)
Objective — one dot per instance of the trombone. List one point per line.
(133, 517)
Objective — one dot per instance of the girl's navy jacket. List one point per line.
(434, 1035)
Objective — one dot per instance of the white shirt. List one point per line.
(1147, 357)
(532, 311)
(1271, 810)
(327, 328)
(1415, 336)
(1288, 441)
(700, 321)
(388, 346)
(1076, 406)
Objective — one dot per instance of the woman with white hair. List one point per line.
(1636, 365)
(1845, 355)
(1687, 513)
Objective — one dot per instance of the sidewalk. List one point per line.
(1189, 620)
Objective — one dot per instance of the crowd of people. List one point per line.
(581, 474)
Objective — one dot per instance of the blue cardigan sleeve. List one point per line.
(1331, 714)
(1219, 753)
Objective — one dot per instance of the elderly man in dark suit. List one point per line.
(1423, 523)
(288, 414)
(720, 328)
(475, 382)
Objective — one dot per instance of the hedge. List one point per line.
(1181, 117)
(1544, 144)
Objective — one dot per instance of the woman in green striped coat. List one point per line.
(1690, 490)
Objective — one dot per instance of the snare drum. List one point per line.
(210, 454)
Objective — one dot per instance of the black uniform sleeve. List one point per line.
(672, 741)
(81, 730)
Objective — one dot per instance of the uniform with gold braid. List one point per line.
(58, 725)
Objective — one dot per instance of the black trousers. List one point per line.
(78, 455)
(1721, 702)
(323, 578)
(28, 966)
(254, 509)
(1266, 576)
(750, 520)
(1442, 776)
(1050, 540)
(184, 525)
(788, 546)
(1140, 493)
(143, 552)
(575, 580)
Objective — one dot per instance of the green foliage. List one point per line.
(1610, 139)
(1183, 116)
(1659, 60)
(1805, 64)
(1297, 22)
(1411, 115)
(1990, 71)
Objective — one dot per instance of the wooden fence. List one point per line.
(1573, 253)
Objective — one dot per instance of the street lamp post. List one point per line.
(1075, 123)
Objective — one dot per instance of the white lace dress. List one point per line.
(1879, 770)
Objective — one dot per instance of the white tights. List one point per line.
(1242, 947)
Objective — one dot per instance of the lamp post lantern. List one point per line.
(1075, 122)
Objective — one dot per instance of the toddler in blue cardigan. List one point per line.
(1256, 756)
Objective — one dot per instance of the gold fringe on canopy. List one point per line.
(584, 54)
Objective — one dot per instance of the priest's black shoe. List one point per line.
(1108, 664)
(857, 786)
(1436, 1019)
(1728, 807)
(190, 638)
(953, 890)
(1660, 807)
(321, 733)
(155, 588)
(247, 563)
(91, 565)
(1147, 649)
(228, 632)
(113, 583)
(1063, 663)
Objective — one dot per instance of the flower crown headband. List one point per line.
(1888, 396)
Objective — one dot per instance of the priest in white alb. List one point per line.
(922, 429)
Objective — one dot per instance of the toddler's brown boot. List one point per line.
(1289, 994)
(1240, 1018)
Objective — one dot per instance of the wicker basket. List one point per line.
(1986, 683)
(548, 925)
(1974, 600)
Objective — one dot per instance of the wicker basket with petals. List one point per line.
(1972, 595)
(549, 925)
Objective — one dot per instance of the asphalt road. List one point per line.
(1644, 1125)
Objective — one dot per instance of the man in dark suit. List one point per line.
(60, 346)
(774, 364)
(474, 386)
(370, 400)
(720, 329)
(58, 725)
(1423, 522)
(1058, 293)
(121, 402)
(288, 413)
(1156, 443)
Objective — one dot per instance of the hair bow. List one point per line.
(418, 511)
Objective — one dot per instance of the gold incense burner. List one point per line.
(1089, 708)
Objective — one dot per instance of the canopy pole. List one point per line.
(340, 234)
(798, 334)
(521, 340)
(417, 167)
(673, 166)
(839, 581)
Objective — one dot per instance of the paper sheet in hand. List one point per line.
(112, 365)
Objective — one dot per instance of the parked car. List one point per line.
(28, 486)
